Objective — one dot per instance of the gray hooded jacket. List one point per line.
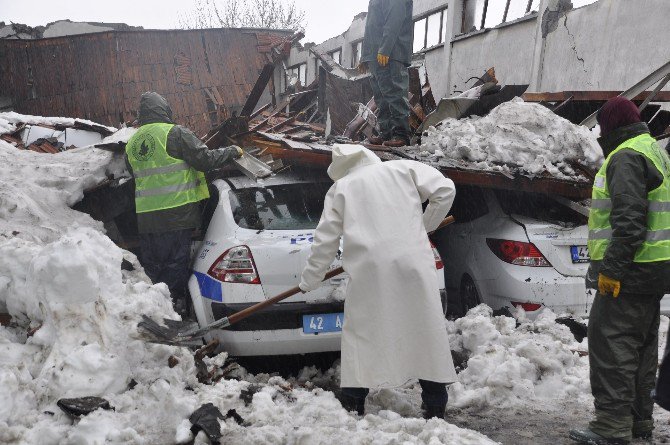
(181, 144)
(389, 30)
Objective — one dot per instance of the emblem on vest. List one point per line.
(145, 150)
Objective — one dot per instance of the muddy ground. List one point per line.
(541, 425)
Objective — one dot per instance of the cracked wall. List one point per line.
(509, 49)
(608, 45)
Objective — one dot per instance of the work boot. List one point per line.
(431, 411)
(351, 403)
(643, 429)
(396, 141)
(376, 140)
(586, 436)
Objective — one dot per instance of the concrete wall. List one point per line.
(509, 49)
(343, 42)
(66, 28)
(59, 28)
(606, 45)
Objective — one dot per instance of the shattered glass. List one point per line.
(281, 207)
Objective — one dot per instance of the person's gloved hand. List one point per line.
(363, 67)
(240, 152)
(607, 285)
(304, 287)
(382, 60)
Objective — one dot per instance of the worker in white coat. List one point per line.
(394, 327)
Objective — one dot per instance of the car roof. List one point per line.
(282, 178)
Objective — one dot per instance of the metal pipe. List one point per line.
(653, 94)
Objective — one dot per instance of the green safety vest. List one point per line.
(161, 181)
(656, 246)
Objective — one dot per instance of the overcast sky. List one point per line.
(324, 18)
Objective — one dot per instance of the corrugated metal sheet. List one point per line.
(206, 75)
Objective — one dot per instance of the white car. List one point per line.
(516, 250)
(256, 247)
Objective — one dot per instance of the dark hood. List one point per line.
(154, 109)
(617, 137)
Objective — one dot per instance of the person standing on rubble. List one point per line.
(394, 326)
(629, 244)
(167, 162)
(387, 53)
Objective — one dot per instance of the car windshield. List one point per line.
(539, 207)
(279, 207)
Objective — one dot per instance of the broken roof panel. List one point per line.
(101, 76)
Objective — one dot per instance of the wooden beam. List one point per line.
(5, 319)
(602, 96)
(257, 90)
(549, 186)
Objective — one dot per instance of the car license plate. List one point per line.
(580, 254)
(317, 323)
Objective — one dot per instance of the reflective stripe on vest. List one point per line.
(161, 181)
(656, 246)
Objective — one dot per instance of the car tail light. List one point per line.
(517, 253)
(528, 307)
(438, 259)
(236, 265)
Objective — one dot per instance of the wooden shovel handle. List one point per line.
(238, 316)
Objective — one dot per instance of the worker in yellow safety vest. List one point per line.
(167, 161)
(629, 244)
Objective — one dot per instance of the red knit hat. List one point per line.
(617, 112)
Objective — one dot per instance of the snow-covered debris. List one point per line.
(10, 119)
(516, 137)
(61, 278)
(511, 366)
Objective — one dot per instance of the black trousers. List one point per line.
(623, 357)
(390, 86)
(432, 393)
(166, 258)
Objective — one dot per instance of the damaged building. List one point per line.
(205, 74)
(580, 46)
(549, 45)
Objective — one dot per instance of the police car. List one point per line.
(256, 246)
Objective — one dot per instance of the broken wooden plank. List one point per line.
(602, 96)
(5, 319)
(257, 90)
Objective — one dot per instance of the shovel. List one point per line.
(186, 334)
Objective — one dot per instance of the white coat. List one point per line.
(394, 328)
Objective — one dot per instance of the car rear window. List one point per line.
(279, 207)
(539, 207)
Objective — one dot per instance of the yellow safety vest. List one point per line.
(656, 246)
(161, 181)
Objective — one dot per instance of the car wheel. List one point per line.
(469, 295)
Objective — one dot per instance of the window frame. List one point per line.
(356, 52)
(296, 68)
(442, 31)
(331, 53)
(482, 26)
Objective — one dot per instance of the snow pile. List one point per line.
(9, 120)
(510, 366)
(75, 313)
(515, 136)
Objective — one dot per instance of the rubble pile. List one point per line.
(50, 135)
